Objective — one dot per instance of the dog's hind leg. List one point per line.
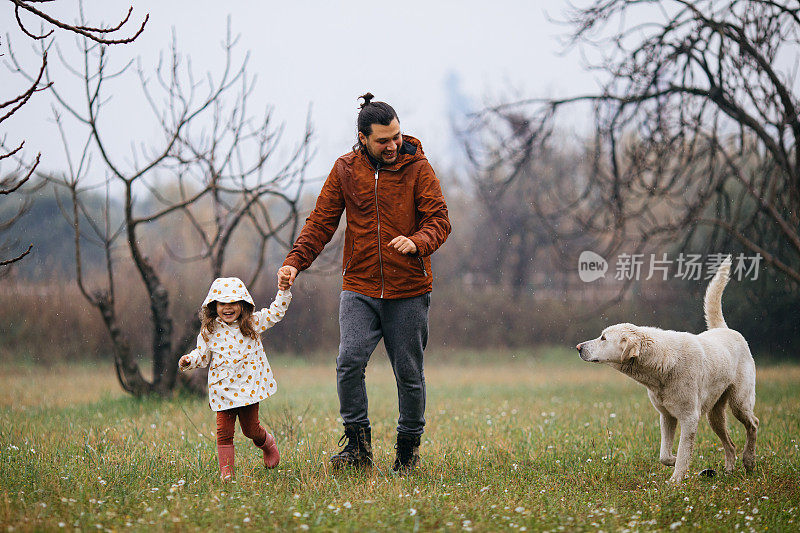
(668, 424)
(685, 446)
(718, 421)
(742, 403)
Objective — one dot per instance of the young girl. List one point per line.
(239, 376)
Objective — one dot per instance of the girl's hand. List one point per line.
(184, 362)
(286, 275)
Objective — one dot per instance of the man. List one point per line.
(396, 218)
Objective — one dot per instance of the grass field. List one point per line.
(514, 442)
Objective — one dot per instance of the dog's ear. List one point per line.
(631, 347)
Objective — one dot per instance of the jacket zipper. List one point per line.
(422, 264)
(378, 213)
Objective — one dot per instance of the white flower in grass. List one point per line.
(412, 511)
(347, 505)
(675, 525)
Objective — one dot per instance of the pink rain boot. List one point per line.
(225, 456)
(270, 448)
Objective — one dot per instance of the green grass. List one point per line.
(513, 441)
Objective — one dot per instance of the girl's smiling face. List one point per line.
(229, 312)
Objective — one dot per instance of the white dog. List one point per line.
(688, 376)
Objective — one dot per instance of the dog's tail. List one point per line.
(712, 304)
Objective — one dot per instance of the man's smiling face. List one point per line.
(384, 142)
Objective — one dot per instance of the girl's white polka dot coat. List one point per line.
(239, 374)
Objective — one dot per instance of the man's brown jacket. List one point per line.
(403, 198)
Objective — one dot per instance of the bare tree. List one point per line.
(698, 139)
(217, 157)
(521, 197)
(99, 34)
(13, 181)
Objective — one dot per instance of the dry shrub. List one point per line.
(50, 322)
(47, 323)
(488, 317)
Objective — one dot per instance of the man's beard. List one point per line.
(379, 156)
(389, 162)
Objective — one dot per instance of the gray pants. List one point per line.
(403, 325)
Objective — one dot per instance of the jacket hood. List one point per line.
(228, 290)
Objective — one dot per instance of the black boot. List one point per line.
(407, 453)
(358, 450)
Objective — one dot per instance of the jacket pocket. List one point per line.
(350, 256)
(217, 374)
(218, 371)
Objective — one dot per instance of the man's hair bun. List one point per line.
(367, 99)
(372, 113)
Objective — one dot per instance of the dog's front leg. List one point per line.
(668, 423)
(685, 446)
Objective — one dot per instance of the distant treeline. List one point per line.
(44, 318)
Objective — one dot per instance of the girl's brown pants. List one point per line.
(248, 419)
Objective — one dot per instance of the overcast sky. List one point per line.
(325, 54)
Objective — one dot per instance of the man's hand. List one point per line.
(184, 362)
(286, 275)
(404, 245)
